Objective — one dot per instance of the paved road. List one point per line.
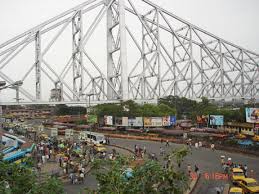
(207, 160)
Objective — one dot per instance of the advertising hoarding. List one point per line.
(202, 119)
(153, 121)
(121, 121)
(166, 121)
(135, 122)
(108, 120)
(172, 120)
(252, 115)
(216, 120)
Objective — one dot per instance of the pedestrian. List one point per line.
(161, 151)
(60, 161)
(71, 178)
(212, 146)
(167, 143)
(196, 169)
(196, 145)
(39, 166)
(245, 170)
(82, 176)
(222, 160)
(200, 144)
(189, 168)
(161, 141)
(144, 150)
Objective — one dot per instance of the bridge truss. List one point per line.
(149, 53)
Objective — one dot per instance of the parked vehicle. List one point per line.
(92, 137)
(249, 185)
(237, 175)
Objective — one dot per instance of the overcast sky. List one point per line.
(232, 20)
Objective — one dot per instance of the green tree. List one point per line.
(18, 179)
(149, 177)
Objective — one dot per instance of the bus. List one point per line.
(19, 154)
(92, 137)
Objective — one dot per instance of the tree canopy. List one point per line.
(15, 178)
(147, 177)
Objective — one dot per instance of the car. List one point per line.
(99, 148)
(240, 136)
(237, 175)
(255, 138)
(236, 190)
(249, 185)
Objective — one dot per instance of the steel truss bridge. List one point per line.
(142, 52)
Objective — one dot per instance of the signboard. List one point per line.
(92, 119)
(252, 115)
(202, 119)
(108, 120)
(147, 121)
(69, 133)
(53, 132)
(216, 119)
(135, 122)
(157, 121)
(153, 121)
(121, 121)
(166, 121)
(172, 120)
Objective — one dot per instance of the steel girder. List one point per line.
(175, 58)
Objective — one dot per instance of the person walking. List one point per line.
(196, 169)
(245, 170)
(189, 168)
(167, 143)
(60, 162)
(212, 146)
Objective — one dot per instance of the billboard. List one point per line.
(252, 115)
(135, 122)
(202, 119)
(108, 120)
(172, 120)
(216, 119)
(121, 121)
(153, 121)
(166, 121)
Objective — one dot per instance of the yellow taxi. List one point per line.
(237, 175)
(249, 185)
(236, 190)
(256, 138)
(43, 136)
(99, 148)
(240, 136)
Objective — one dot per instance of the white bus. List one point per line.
(92, 137)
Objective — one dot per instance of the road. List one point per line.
(207, 160)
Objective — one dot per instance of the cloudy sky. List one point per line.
(232, 20)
